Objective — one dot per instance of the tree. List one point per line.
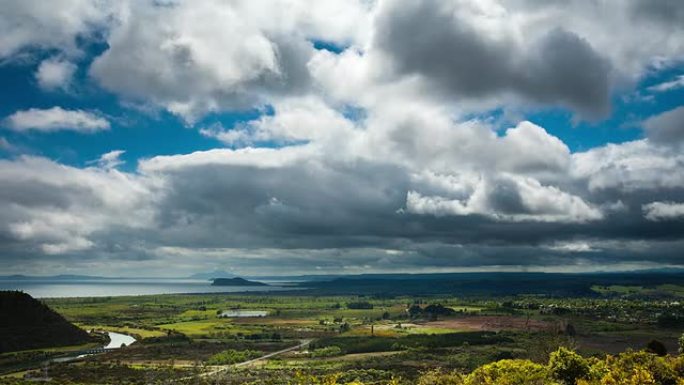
(656, 347)
(415, 311)
(681, 344)
(570, 330)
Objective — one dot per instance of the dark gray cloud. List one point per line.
(667, 127)
(446, 46)
(670, 12)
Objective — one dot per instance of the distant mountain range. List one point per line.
(65, 277)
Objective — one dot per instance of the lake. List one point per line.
(116, 287)
(243, 313)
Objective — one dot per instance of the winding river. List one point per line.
(116, 341)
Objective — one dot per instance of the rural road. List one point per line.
(219, 369)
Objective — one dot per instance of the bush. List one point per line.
(437, 377)
(567, 366)
(656, 347)
(509, 372)
(328, 351)
(232, 356)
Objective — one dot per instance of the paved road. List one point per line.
(222, 368)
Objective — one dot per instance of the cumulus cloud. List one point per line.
(31, 24)
(192, 58)
(630, 167)
(663, 211)
(667, 127)
(55, 73)
(472, 50)
(506, 198)
(60, 215)
(56, 119)
(293, 121)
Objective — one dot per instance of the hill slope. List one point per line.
(26, 323)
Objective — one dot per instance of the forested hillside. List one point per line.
(26, 323)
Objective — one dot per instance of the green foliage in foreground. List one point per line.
(232, 356)
(328, 351)
(564, 367)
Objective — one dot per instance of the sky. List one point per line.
(279, 137)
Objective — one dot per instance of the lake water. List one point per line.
(117, 287)
(118, 339)
(243, 313)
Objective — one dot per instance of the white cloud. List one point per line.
(574, 247)
(60, 215)
(109, 160)
(506, 198)
(196, 57)
(630, 167)
(56, 119)
(55, 73)
(663, 211)
(674, 84)
(294, 120)
(31, 24)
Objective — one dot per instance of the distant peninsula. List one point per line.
(235, 282)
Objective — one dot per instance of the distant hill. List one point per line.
(487, 284)
(212, 275)
(65, 277)
(237, 281)
(26, 323)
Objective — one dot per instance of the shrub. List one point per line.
(509, 372)
(437, 377)
(232, 356)
(656, 347)
(328, 351)
(567, 366)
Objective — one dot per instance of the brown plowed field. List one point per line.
(492, 323)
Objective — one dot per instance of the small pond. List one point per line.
(243, 313)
